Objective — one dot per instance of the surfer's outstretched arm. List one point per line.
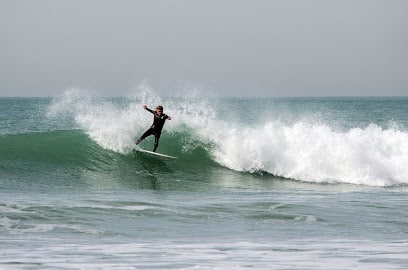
(147, 109)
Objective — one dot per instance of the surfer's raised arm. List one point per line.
(147, 109)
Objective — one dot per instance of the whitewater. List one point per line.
(260, 183)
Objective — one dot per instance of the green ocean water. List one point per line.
(261, 183)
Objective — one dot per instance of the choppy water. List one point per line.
(274, 183)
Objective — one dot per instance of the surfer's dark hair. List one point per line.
(159, 108)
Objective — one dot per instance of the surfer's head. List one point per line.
(159, 109)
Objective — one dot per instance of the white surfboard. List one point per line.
(161, 156)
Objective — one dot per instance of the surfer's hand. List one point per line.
(169, 118)
(145, 107)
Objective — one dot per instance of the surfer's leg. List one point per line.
(147, 133)
(156, 141)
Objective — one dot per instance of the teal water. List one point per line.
(271, 183)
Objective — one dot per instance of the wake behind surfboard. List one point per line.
(156, 155)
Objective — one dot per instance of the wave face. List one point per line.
(62, 148)
(328, 140)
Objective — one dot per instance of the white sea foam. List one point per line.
(370, 156)
(304, 151)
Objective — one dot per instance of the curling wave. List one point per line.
(300, 150)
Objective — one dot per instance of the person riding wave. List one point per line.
(157, 126)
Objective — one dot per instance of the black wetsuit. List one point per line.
(155, 129)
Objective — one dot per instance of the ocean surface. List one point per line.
(260, 183)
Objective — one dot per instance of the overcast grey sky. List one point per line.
(234, 47)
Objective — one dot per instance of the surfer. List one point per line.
(157, 126)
